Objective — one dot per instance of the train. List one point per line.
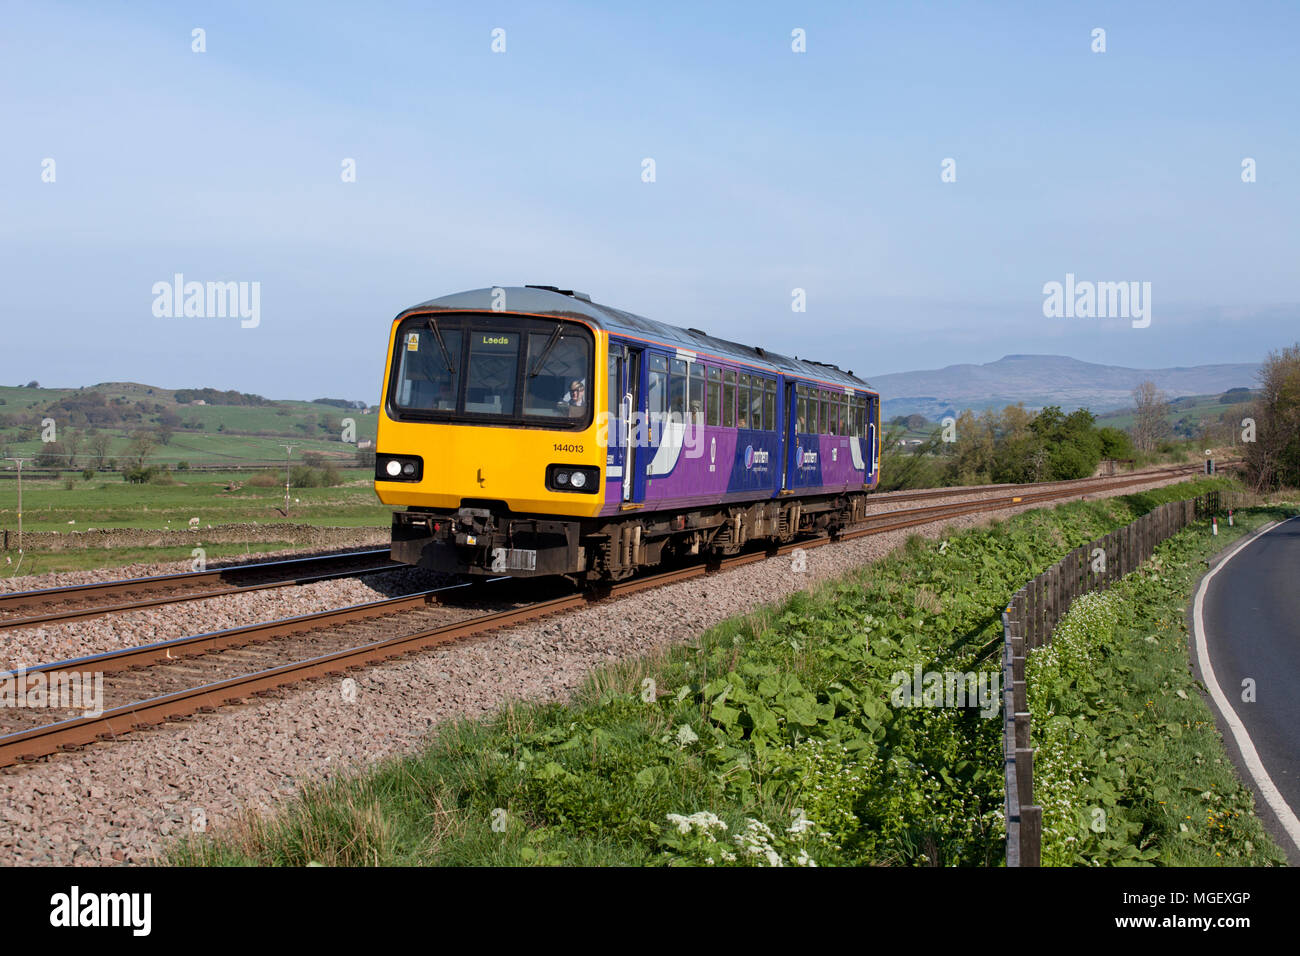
(528, 431)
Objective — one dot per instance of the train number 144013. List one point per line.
(575, 449)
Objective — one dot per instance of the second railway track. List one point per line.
(57, 605)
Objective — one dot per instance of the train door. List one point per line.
(625, 369)
(787, 434)
(873, 449)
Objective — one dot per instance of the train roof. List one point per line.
(548, 300)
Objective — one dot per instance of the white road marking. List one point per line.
(1272, 796)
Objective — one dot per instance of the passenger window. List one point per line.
(729, 399)
(657, 403)
(769, 406)
(714, 405)
(742, 403)
(824, 400)
(677, 389)
(801, 422)
(695, 398)
(493, 373)
(756, 404)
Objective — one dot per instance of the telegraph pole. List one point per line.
(19, 462)
(288, 453)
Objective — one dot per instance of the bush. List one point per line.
(265, 479)
(305, 476)
(161, 476)
(182, 466)
(87, 474)
(68, 484)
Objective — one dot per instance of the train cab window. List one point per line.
(713, 407)
(555, 378)
(756, 404)
(742, 403)
(677, 389)
(695, 394)
(657, 397)
(614, 396)
(493, 372)
(729, 399)
(769, 405)
(428, 379)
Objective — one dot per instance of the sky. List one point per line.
(774, 170)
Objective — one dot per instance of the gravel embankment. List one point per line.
(123, 802)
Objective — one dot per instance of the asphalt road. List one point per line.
(1246, 621)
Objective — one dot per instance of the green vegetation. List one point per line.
(104, 427)
(1013, 446)
(110, 501)
(93, 559)
(1273, 458)
(772, 739)
(1130, 767)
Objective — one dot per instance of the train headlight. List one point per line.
(573, 478)
(399, 468)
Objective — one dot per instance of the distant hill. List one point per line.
(1039, 380)
(200, 426)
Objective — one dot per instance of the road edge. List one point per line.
(1239, 744)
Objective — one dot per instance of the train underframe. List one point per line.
(484, 538)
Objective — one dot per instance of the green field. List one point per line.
(107, 501)
(199, 434)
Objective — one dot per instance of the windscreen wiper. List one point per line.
(541, 359)
(437, 334)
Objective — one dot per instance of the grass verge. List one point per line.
(1130, 767)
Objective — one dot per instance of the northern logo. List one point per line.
(753, 457)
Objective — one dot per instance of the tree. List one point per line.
(99, 444)
(141, 444)
(1149, 425)
(1273, 458)
(51, 455)
(73, 444)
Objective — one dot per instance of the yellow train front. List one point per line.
(461, 368)
(529, 431)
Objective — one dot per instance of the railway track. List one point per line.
(887, 497)
(145, 686)
(51, 605)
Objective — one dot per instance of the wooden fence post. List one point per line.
(1031, 836)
